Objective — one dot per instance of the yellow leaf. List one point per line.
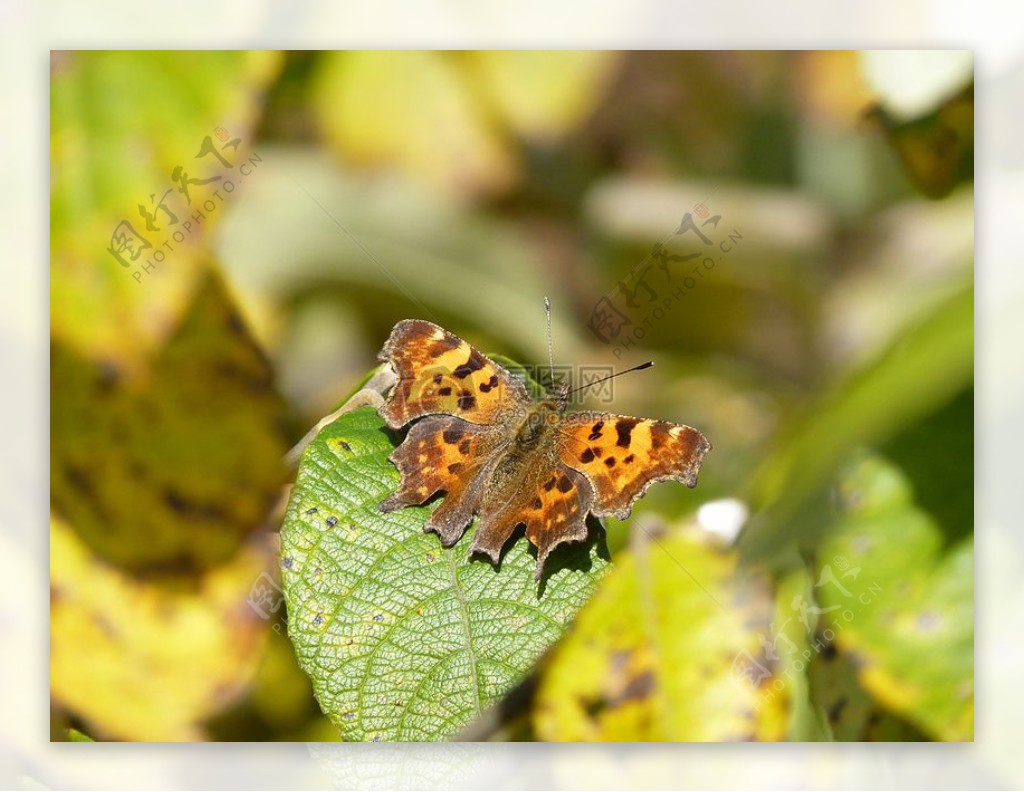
(141, 661)
(656, 655)
(410, 111)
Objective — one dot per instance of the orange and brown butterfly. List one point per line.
(509, 459)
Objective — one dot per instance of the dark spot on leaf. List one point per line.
(311, 511)
(587, 456)
(318, 620)
(610, 462)
(594, 706)
(235, 323)
(467, 401)
(287, 562)
(452, 435)
(332, 521)
(638, 687)
(378, 617)
(836, 710)
(318, 571)
(624, 428)
(595, 431)
(344, 445)
(445, 391)
(378, 738)
(348, 716)
(176, 502)
(564, 485)
(430, 556)
(109, 376)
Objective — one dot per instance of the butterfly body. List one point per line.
(509, 459)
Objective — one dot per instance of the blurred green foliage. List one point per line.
(828, 356)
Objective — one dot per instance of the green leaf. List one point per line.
(669, 649)
(74, 735)
(846, 709)
(921, 372)
(402, 638)
(899, 605)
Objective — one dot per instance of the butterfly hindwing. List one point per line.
(444, 454)
(553, 507)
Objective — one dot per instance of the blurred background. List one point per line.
(827, 353)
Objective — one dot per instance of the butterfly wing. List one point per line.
(553, 506)
(439, 373)
(443, 453)
(623, 456)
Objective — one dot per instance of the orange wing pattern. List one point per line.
(623, 456)
(440, 373)
(442, 453)
(554, 511)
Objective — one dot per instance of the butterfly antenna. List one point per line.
(551, 354)
(642, 366)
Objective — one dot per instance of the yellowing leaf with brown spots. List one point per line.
(657, 656)
(142, 661)
(166, 470)
(900, 604)
(121, 122)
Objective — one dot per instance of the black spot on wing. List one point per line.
(595, 431)
(491, 384)
(624, 428)
(564, 485)
(587, 456)
(467, 401)
(610, 462)
(452, 435)
(475, 362)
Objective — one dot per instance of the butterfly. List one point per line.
(507, 458)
